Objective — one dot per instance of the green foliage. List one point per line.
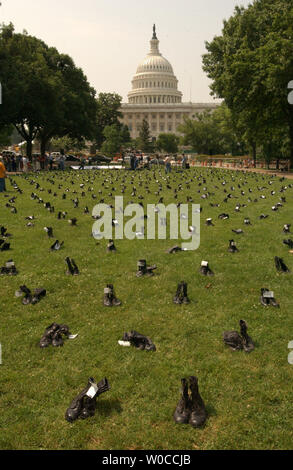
(144, 140)
(108, 113)
(5, 135)
(67, 143)
(212, 132)
(44, 93)
(168, 143)
(250, 65)
(116, 136)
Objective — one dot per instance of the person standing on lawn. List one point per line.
(168, 164)
(2, 176)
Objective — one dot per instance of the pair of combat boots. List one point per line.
(139, 341)
(53, 335)
(30, 298)
(267, 298)
(9, 269)
(191, 408)
(238, 341)
(280, 265)
(110, 299)
(181, 296)
(72, 267)
(84, 405)
(143, 269)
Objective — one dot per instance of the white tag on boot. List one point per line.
(268, 295)
(126, 344)
(92, 391)
(9, 264)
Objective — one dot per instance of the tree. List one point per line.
(201, 134)
(250, 65)
(73, 111)
(108, 113)
(44, 94)
(67, 144)
(168, 143)
(116, 137)
(144, 140)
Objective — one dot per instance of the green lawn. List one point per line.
(248, 396)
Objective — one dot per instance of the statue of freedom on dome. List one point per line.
(154, 32)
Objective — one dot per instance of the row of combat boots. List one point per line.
(191, 408)
(30, 298)
(84, 405)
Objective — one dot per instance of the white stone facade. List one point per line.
(155, 97)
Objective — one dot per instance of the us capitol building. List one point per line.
(156, 98)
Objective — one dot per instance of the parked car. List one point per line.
(100, 159)
(71, 158)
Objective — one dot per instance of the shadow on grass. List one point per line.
(105, 408)
(211, 411)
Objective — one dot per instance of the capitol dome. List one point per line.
(154, 81)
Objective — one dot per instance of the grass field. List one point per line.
(248, 396)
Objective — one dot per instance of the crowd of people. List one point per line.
(137, 160)
(18, 163)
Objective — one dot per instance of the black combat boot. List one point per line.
(248, 344)
(114, 301)
(198, 414)
(107, 301)
(280, 265)
(142, 268)
(139, 341)
(232, 247)
(28, 295)
(185, 296)
(75, 268)
(38, 295)
(47, 337)
(267, 298)
(49, 231)
(56, 246)
(288, 242)
(111, 246)
(178, 298)
(174, 249)
(84, 405)
(183, 409)
(70, 267)
(205, 270)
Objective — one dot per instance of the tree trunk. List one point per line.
(277, 164)
(29, 149)
(253, 147)
(44, 142)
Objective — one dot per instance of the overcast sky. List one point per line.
(108, 38)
